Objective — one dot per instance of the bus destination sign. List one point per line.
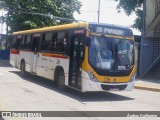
(110, 30)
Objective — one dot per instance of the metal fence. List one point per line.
(150, 57)
(4, 47)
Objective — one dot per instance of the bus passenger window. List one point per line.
(16, 42)
(54, 38)
(43, 42)
(35, 42)
(61, 43)
(13, 42)
(22, 42)
(47, 42)
(27, 42)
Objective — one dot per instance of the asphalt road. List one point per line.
(38, 94)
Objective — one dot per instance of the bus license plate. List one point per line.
(114, 89)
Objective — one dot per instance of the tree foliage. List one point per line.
(130, 6)
(16, 20)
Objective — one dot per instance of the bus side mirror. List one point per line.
(88, 41)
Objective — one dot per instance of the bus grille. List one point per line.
(108, 87)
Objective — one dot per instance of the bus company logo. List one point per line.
(6, 114)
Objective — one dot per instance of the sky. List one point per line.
(108, 13)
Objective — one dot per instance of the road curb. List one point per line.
(147, 88)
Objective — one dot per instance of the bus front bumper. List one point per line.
(89, 85)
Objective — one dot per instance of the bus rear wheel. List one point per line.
(61, 80)
(23, 72)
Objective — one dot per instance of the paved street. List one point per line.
(37, 94)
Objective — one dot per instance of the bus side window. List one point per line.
(35, 42)
(43, 41)
(22, 43)
(12, 42)
(18, 42)
(61, 43)
(65, 42)
(47, 42)
(54, 39)
(27, 42)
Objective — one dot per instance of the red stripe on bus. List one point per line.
(58, 56)
(14, 51)
(55, 56)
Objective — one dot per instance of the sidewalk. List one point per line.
(151, 85)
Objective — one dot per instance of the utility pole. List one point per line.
(99, 4)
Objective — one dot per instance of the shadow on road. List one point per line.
(82, 97)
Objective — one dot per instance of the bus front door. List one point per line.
(76, 59)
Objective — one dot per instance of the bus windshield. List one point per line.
(111, 53)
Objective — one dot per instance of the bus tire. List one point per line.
(61, 80)
(23, 70)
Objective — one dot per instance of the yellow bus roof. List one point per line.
(52, 28)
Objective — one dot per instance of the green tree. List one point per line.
(16, 20)
(130, 6)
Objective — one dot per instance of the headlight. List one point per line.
(132, 78)
(92, 77)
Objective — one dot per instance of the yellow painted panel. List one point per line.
(52, 28)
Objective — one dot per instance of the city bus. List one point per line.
(83, 56)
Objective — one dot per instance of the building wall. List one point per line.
(150, 47)
(149, 15)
